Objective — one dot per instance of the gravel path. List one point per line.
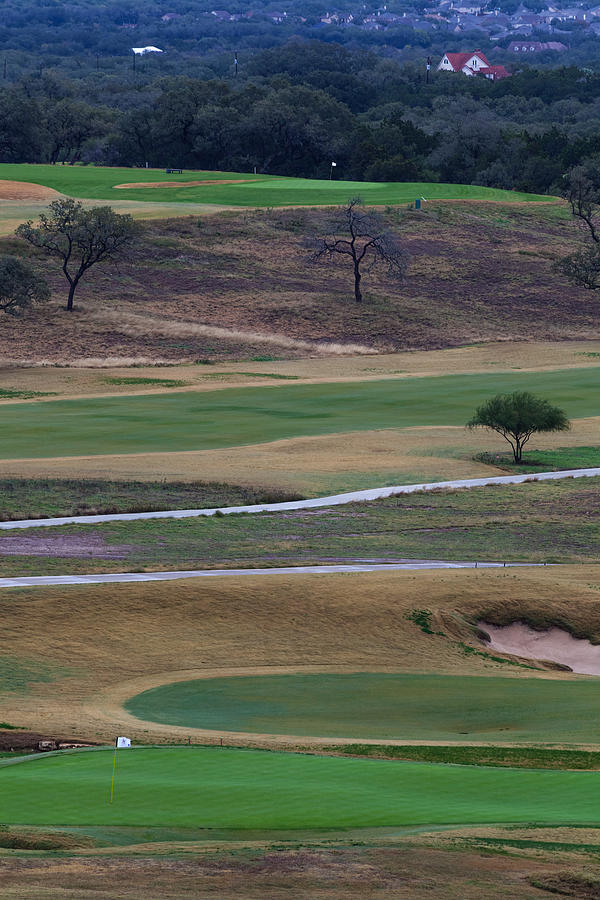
(335, 500)
(118, 577)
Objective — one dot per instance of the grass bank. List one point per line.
(534, 522)
(27, 498)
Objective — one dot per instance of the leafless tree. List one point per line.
(363, 237)
(581, 189)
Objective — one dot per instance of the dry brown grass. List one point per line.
(406, 871)
(180, 184)
(82, 377)
(26, 192)
(311, 465)
(245, 274)
(120, 639)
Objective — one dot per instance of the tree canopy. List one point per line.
(79, 238)
(20, 286)
(517, 417)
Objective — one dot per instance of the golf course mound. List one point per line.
(380, 706)
(27, 192)
(221, 787)
(179, 184)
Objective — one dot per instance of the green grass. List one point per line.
(17, 394)
(16, 674)
(382, 706)
(139, 380)
(255, 191)
(216, 788)
(536, 522)
(237, 416)
(546, 460)
(26, 498)
(515, 757)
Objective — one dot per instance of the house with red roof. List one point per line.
(472, 63)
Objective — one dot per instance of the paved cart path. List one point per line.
(118, 577)
(335, 500)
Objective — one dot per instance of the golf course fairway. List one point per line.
(237, 416)
(215, 787)
(381, 706)
(239, 189)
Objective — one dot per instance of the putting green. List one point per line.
(216, 788)
(238, 416)
(382, 706)
(244, 190)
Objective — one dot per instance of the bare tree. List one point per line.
(581, 189)
(366, 241)
(80, 237)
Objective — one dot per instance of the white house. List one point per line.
(468, 63)
(472, 63)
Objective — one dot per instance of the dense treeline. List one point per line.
(297, 108)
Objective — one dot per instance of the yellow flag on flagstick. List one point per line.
(120, 743)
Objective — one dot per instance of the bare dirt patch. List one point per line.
(29, 740)
(90, 545)
(23, 190)
(179, 184)
(255, 871)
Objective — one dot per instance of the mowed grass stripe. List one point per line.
(252, 190)
(382, 706)
(216, 788)
(238, 416)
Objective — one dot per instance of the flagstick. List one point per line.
(112, 786)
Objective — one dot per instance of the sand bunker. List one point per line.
(554, 645)
(180, 184)
(22, 190)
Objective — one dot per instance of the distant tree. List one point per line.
(517, 416)
(581, 189)
(20, 286)
(80, 238)
(366, 242)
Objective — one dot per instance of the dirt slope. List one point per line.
(239, 285)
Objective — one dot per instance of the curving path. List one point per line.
(335, 500)
(118, 577)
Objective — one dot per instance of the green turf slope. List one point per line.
(382, 706)
(251, 190)
(237, 416)
(214, 788)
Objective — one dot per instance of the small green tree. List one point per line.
(517, 416)
(20, 286)
(80, 237)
